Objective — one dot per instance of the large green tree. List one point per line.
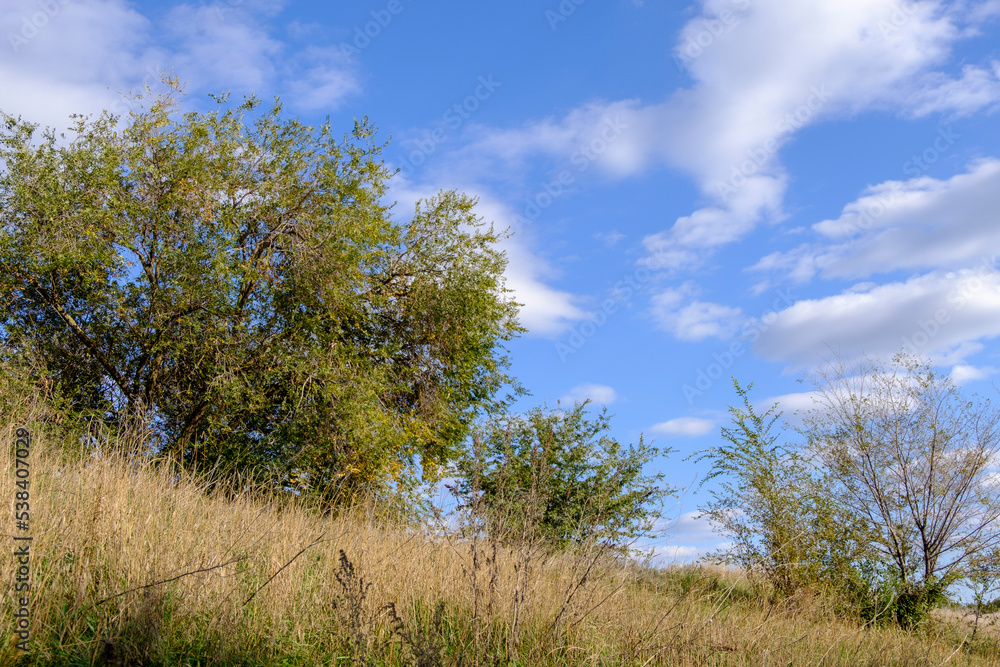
(237, 278)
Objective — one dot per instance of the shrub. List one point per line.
(559, 475)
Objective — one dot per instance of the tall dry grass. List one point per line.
(133, 564)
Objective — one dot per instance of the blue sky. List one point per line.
(728, 187)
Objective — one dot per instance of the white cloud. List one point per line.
(70, 57)
(610, 239)
(598, 393)
(947, 226)
(792, 406)
(978, 88)
(922, 223)
(963, 374)
(689, 319)
(684, 427)
(776, 68)
(78, 56)
(605, 134)
(545, 311)
(232, 50)
(983, 12)
(325, 81)
(941, 315)
(216, 50)
(683, 553)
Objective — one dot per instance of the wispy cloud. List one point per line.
(684, 427)
(942, 315)
(917, 224)
(689, 319)
(598, 393)
(89, 52)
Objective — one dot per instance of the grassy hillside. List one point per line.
(135, 566)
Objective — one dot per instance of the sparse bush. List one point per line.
(352, 612)
(784, 528)
(906, 454)
(887, 498)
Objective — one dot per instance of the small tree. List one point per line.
(911, 458)
(772, 506)
(983, 574)
(559, 475)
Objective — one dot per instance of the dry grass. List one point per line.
(252, 581)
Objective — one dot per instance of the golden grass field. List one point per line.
(131, 566)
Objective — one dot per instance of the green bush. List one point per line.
(783, 527)
(557, 476)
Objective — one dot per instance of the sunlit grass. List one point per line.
(132, 565)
